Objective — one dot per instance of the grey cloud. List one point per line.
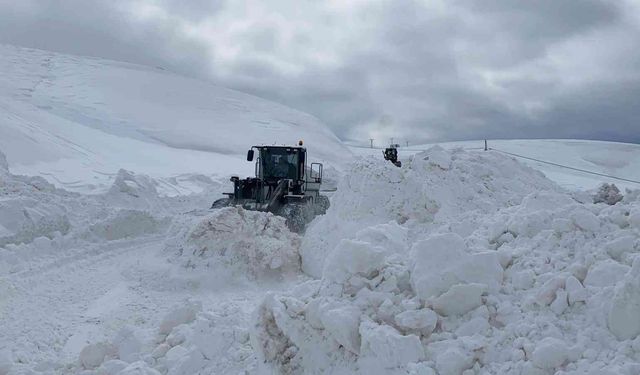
(405, 69)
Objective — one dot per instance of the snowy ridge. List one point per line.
(76, 121)
(613, 158)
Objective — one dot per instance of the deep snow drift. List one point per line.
(77, 120)
(484, 268)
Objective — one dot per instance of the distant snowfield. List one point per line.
(77, 120)
(611, 158)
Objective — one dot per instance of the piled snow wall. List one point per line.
(436, 186)
(460, 263)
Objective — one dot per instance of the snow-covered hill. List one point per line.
(78, 120)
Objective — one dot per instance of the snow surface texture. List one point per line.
(77, 120)
(460, 263)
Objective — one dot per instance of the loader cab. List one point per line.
(276, 163)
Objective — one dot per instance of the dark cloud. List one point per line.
(408, 69)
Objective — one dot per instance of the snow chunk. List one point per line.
(389, 348)
(523, 279)
(585, 220)
(620, 245)
(442, 261)
(181, 315)
(560, 303)
(453, 361)
(605, 273)
(575, 291)
(352, 258)
(93, 355)
(550, 353)
(433, 271)
(342, 323)
(624, 313)
(473, 326)
(128, 345)
(423, 319)
(460, 299)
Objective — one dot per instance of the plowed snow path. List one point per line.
(53, 309)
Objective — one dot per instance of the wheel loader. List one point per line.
(391, 153)
(284, 184)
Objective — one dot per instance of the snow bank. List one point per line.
(459, 263)
(236, 242)
(29, 208)
(435, 186)
(38, 220)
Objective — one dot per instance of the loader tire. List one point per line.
(297, 215)
(321, 205)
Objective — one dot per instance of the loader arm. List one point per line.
(275, 200)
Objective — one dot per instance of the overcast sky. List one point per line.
(413, 70)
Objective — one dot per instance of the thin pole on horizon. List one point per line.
(371, 140)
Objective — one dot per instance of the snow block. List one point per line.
(423, 319)
(180, 315)
(453, 361)
(442, 261)
(389, 348)
(460, 299)
(617, 247)
(550, 353)
(342, 323)
(575, 291)
(624, 313)
(92, 356)
(352, 258)
(605, 273)
(585, 220)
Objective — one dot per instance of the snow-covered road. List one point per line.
(58, 306)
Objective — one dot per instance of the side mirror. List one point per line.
(316, 172)
(250, 155)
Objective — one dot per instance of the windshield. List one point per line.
(279, 163)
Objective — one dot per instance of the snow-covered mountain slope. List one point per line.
(611, 158)
(78, 120)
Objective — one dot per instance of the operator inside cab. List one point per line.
(279, 163)
(284, 168)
